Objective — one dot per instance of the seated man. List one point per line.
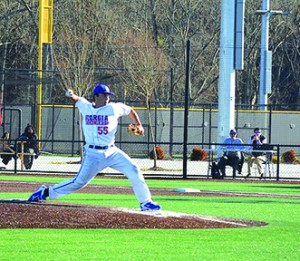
(233, 155)
(257, 140)
(30, 145)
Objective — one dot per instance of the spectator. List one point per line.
(257, 140)
(233, 155)
(30, 145)
(7, 149)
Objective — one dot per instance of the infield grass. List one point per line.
(279, 240)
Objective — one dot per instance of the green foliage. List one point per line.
(160, 41)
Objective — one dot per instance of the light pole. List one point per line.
(265, 54)
(227, 74)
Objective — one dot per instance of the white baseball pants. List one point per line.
(95, 161)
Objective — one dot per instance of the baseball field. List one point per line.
(75, 227)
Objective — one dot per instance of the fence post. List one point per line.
(278, 160)
(171, 113)
(270, 123)
(16, 157)
(53, 128)
(186, 107)
(73, 128)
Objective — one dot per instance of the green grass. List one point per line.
(292, 189)
(280, 240)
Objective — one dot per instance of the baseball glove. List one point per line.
(133, 129)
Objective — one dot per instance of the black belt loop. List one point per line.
(100, 147)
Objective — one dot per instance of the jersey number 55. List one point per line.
(102, 130)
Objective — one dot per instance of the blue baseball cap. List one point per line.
(101, 88)
(233, 131)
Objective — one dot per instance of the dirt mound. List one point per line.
(49, 214)
(21, 214)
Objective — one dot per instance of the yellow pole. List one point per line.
(45, 36)
(40, 74)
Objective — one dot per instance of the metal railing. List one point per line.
(282, 165)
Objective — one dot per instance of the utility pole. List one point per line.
(265, 53)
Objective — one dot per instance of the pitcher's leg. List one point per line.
(123, 163)
(89, 169)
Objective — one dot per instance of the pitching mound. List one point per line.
(21, 214)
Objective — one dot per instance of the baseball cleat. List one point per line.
(150, 205)
(38, 195)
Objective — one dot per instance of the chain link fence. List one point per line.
(283, 163)
(60, 133)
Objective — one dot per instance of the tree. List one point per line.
(81, 36)
(179, 21)
(146, 71)
(98, 26)
(18, 47)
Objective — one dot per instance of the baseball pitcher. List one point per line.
(100, 122)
